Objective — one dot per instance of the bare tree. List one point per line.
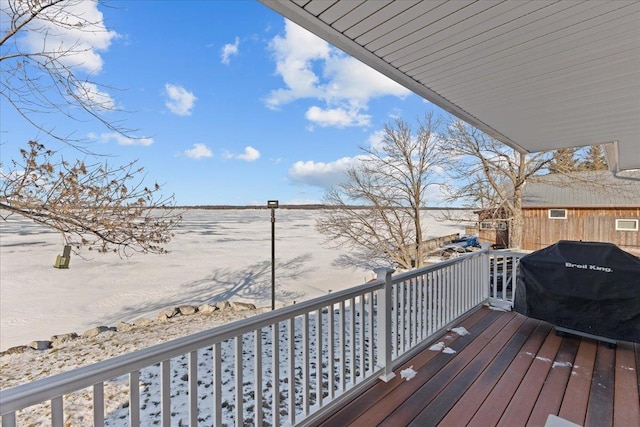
(47, 58)
(379, 203)
(490, 175)
(95, 206)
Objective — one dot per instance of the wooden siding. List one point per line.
(597, 225)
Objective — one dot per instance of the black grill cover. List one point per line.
(584, 286)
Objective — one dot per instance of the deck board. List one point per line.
(454, 364)
(405, 389)
(433, 413)
(498, 400)
(355, 409)
(525, 397)
(510, 370)
(600, 407)
(625, 413)
(466, 407)
(576, 398)
(554, 388)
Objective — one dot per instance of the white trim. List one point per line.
(486, 225)
(632, 220)
(557, 217)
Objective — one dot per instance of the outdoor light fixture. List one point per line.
(273, 204)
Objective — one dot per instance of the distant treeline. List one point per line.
(300, 207)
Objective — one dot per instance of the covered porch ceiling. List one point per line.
(536, 75)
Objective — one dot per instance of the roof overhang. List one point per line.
(536, 75)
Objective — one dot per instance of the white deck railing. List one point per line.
(325, 349)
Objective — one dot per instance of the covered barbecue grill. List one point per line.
(588, 288)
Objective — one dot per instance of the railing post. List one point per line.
(485, 274)
(384, 323)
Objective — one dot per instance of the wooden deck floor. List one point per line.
(509, 371)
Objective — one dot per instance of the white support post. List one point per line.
(384, 323)
(485, 276)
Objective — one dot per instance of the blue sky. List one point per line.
(230, 102)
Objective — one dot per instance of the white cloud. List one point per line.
(121, 139)
(337, 117)
(319, 174)
(198, 151)
(83, 33)
(229, 50)
(349, 78)
(294, 54)
(90, 93)
(312, 69)
(250, 154)
(180, 100)
(376, 139)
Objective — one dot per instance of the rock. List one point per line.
(123, 326)
(187, 310)
(16, 350)
(58, 340)
(242, 306)
(207, 309)
(40, 345)
(162, 317)
(223, 305)
(142, 321)
(97, 330)
(168, 313)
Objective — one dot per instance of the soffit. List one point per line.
(537, 75)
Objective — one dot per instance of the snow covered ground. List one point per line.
(215, 256)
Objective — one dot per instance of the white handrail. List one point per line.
(302, 357)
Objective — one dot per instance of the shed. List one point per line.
(597, 206)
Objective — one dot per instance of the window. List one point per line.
(486, 225)
(557, 214)
(626, 225)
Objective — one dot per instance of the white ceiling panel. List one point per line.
(537, 75)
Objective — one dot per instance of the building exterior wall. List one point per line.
(587, 224)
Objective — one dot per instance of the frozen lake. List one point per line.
(216, 255)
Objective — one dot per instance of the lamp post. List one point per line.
(273, 205)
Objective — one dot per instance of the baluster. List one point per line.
(134, 399)
(165, 392)
(9, 420)
(319, 358)
(275, 367)
(402, 330)
(217, 384)
(352, 342)
(343, 347)
(371, 351)
(305, 364)
(291, 333)
(98, 405)
(238, 376)
(57, 412)
(362, 317)
(331, 351)
(257, 369)
(193, 388)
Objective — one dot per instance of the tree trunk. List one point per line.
(516, 228)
